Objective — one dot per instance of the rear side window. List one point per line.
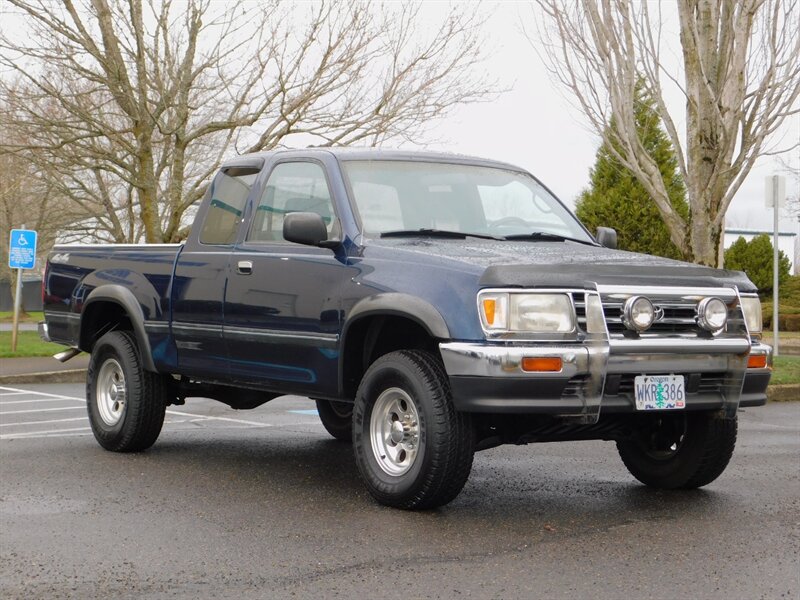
(292, 187)
(229, 192)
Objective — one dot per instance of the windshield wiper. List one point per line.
(543, 236)
(441, 233)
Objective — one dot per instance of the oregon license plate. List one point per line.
(659, 392)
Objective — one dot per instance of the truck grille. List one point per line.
(677, 318)
(676, 310)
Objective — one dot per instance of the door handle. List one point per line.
(244, 267)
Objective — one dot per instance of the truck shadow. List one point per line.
(285, 471)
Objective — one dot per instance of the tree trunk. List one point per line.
(704, 239)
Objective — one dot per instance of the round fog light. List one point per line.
(712, 314)
(638, 313)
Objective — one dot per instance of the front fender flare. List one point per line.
(401, 305)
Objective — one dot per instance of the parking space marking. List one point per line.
(20, 393)
(46, 394)
(69, 432)
(41, 422)
(15, 436)
(36, 433)
(38, 410)
(242, 421)
(36, 400)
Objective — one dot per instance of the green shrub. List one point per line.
(756, 259)
(789, 313)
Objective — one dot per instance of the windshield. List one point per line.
(401, 196)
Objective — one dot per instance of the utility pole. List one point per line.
(775, 197)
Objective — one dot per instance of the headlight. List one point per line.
(530, 313)
(712, 314)
(638, 313)
(751, 307)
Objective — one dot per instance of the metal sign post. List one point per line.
(21, 255)
(775, 197)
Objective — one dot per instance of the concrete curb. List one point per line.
(789, 392)
(72, 376)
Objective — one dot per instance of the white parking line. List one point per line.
(72, 432)
(41, 422)
(48, 395)
(38, 410)
(20, 393)
(38, 400)
(242, 421)
(35, 433)
(14, 436)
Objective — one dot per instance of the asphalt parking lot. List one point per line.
(263, 504)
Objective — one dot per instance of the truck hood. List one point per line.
(557, 264)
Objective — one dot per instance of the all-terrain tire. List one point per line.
(405, 396)
(126, 403)
(703, 447)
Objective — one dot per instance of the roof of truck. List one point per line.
(351, 153)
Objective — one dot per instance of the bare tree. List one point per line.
(131, 105)
(741, 80)
(27, 199)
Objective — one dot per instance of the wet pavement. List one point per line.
(264, 504)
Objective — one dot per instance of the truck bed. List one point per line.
(74, 271)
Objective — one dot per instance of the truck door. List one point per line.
(281, 304)
(198, 286)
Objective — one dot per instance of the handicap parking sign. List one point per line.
(22, 249)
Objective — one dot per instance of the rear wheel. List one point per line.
(412, 448)
(687, 450)
(126, 404)
(337, 418)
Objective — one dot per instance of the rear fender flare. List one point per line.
(123, 297)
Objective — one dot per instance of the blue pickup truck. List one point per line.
(432, 305)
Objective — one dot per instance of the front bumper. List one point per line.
(488, 377)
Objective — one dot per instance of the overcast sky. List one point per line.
(535, 126)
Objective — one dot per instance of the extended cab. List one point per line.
(433, 305)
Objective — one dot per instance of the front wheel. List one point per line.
(679, 451)
(126, 404)
(413, 450)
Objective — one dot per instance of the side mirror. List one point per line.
(304, 228)
(606, 236)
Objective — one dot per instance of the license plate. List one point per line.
(659, 392)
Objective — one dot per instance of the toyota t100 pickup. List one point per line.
(433, 305)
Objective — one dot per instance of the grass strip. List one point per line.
(7, 316)
(786, 370)
(28, 344)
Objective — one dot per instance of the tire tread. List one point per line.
(144, 416)
(451, 453)
(714, 440)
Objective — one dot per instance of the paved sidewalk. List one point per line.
(22, 326)
(43, 369)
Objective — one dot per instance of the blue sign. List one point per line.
(22, 249)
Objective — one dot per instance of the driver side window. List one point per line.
(292, 187)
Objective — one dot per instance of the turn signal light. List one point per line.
(549, 364)
(489, 305)
(757, 361)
